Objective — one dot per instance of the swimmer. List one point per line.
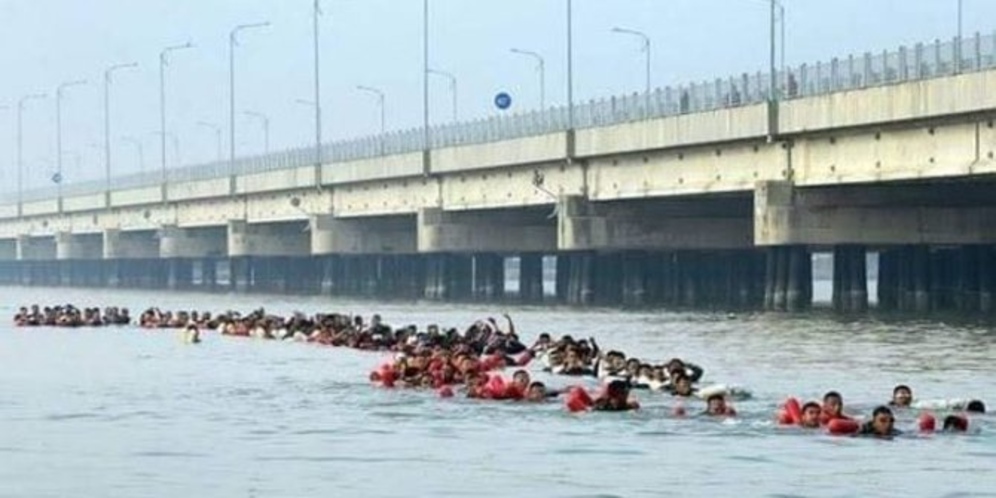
(716, 407)
(682, 386)
(810, 418)
(902, 396)
(537, 393)
(975, 406)
(521, 377)
(616, 398)
(192, 335)
(833, 407)
(882, 424)
(955, 423)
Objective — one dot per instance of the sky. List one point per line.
(378, 43)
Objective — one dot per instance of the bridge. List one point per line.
(713, 194)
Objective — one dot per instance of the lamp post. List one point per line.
(426, 138)
(108, 73)
(59, 92)
(570, 72)
(958, 46)
(381, 103)
(646, 50)
(20, 146)
(163, 62)
(265, 121)
(541, 67)
(233, 40)
(217, 136)
(3, 107)
(138, 148)
(316, 14)
(176, 145)
(453, 88)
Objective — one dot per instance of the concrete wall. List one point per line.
(374, 235)
(284, 239)
(130, 245)
(938, 97)
(787, 215)
(724, 125)
(74, 246)
(176, 242)
(509, 231)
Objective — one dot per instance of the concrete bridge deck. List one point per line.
(716, 207)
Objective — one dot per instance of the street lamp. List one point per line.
(453, 87)
(59, 92)
(570, 73)
(20, 147)
(108, 73)
(541, 67)
(265, 121)
(426, 137)
(3, 107)
(176, 145)
(958, 46)
(646, 50)
(138, 148)
(380, 102)
(233, 40)
(316, 14)
(217, 136)
(163, 62)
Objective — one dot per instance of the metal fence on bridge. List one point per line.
(921, 61)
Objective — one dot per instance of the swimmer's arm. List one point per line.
(511, 325)
(696, 372)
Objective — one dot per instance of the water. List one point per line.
(125, 413)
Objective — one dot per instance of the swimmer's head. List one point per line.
(811, 415)
(617, 388)
(536, 392)
(975, 406)
(716, 405)
(521, 377)
(833, 403)
(955, 423)
(902, 395)
(883, 421)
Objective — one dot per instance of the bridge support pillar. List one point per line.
(788, 279)
(240, 273)
(850, 286)
(531, 278)
(489, 277)
(578, 282)
(636, 271)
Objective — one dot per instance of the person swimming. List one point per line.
(955, 423)
(716, 407)
(975, 406)
(615, 398)
(810, 418)
(902, 396)
(681, 386)
(192, 334)
(881, 425)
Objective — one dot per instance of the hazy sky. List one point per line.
(378, 43)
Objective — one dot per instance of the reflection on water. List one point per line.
(124, 412)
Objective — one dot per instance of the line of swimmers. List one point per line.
(68, 315)
(442, 360)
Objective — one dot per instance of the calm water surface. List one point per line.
(127, 413)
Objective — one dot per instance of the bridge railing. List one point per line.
(907, 63)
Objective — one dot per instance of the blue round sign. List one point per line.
(503, 101)
(57, 178)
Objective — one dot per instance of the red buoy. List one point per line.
(843, 427)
